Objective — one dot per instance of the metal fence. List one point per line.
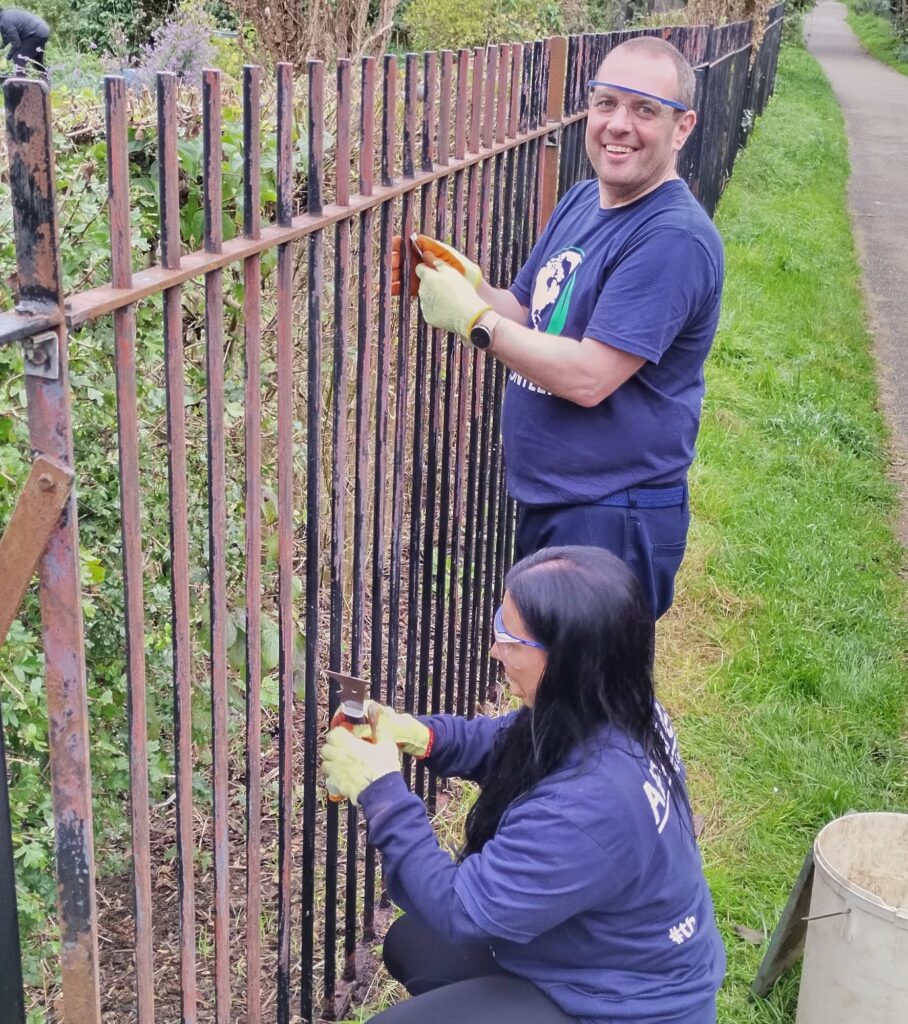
(313, 459)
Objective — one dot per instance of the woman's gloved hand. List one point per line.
(351, 764)
(410, 735)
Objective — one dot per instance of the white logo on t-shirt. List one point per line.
(549, 284)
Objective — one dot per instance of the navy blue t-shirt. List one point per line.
(591, 888)
(645, 278)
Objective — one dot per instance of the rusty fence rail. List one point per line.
(332, 485)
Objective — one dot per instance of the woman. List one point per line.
(579, 894)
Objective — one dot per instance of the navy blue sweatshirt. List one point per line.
(592, 887)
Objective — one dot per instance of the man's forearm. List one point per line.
(584, 372)
(502, 301)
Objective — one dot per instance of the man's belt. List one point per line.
(645, 497)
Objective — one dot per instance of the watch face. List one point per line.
(480, 336)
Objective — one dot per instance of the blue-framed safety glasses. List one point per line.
(502, 636)
(674, 104)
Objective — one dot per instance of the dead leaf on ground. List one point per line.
(749, 934)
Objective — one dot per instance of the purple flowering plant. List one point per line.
(182, 45)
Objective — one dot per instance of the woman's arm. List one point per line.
(461, 746)
(538, 870)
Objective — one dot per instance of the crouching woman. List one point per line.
(579, 894)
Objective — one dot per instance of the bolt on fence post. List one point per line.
(31, 164)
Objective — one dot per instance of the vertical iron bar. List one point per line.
(11, 990)
(252, 310)
(363, 377)
(285, 530)
(316, 244)
(130, 519)
(30, 149)
(342, 244)
(433, 340)
(471, 584)
(168, 187)
(217, 530)
(430, 86)
(382, 374)
(408, 166)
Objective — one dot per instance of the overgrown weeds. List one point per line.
(879, 34)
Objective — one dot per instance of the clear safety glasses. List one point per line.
(641, 107)
(502, 636)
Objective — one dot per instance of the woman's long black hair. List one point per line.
(588, 610)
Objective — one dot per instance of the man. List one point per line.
(26, 35)
(605, 330)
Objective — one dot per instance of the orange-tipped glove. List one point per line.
(431, 252)
(410, 735)
(350, 764)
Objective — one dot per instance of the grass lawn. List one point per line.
(783, 660)
(879, 39)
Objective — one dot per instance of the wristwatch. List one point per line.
(481, 332)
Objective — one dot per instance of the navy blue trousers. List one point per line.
(650, 541)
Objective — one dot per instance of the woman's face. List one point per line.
(523, 664)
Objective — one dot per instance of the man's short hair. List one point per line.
(687, 83)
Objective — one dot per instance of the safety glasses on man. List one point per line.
(502, 636)
(640, 107)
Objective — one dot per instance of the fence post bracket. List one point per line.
(42, 355)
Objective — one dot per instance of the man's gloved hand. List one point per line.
(434, 252)
(448, 300)
(447, 254)
(351, 764)
(410, 735)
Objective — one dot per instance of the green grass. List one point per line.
(879, 38)
(784, 659)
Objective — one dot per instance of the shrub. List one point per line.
(878, 7)
(439, 24)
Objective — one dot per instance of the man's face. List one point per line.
(632, 157)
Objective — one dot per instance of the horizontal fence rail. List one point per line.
(306, 477)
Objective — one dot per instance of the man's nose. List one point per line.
(620, 121)
(496, 654)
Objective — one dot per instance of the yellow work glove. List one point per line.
(350, 764)
(448, 300)
(447, 254)
(432, 252)
(410, 735)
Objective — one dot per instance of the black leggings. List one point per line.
(457, 984)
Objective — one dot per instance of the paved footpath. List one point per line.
(874, 101)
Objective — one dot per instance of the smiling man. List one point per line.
(605, 330)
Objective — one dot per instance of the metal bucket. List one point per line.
(856, 954)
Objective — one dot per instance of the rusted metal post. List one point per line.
(286, 517)
(252, 308)
(169, 191)
(131, 531)
(29, 140)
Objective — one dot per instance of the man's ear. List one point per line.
(683, 127)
